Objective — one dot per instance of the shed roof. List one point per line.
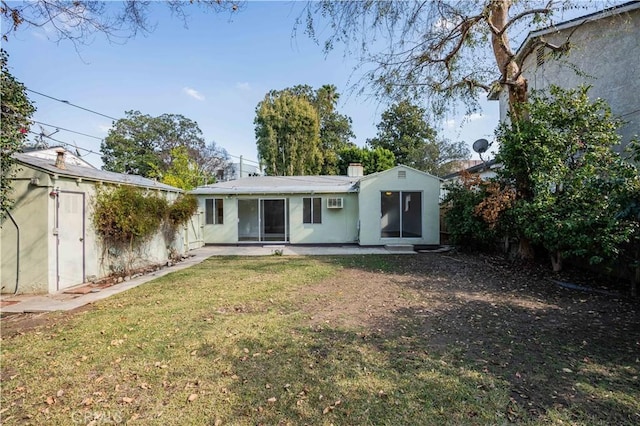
(282, 185)
(75, 171)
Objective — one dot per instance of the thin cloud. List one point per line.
(450, 124)
(475, 116)
(193, 93)
(243, 86)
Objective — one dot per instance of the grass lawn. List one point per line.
(354, 340)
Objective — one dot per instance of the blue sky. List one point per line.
(214, 72)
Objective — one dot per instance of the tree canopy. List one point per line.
(404, 131)
(288, 135)
(80, 21)
(439, 51)
(147, 146)
(576, 185)
(17, 110)
(335, 128)
(275, 147)
(372, 160)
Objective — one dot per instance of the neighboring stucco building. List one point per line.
(396, 206)
(604, 51)
(48, 242)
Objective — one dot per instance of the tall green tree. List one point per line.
(335, 129)
(572, 188)
(403, 130)
(287, 132)
(16, 110)
(372, 160)
(141, 144)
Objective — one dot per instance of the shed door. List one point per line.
(70, 253)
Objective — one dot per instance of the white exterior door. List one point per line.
(70, 227)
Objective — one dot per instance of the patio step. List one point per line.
(399, 247)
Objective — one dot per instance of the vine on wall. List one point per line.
(125, 218)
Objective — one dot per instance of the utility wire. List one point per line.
(243, 158)
(88, 151)
(53, 125)
(73, 105)
(68, 130)
(97, 113)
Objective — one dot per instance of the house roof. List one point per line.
(89, 173)
(399, 166)
(282, 184)
(571, 23)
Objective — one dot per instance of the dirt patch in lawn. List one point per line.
(17, 323)
(554, 347)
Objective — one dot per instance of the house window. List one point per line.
(213, 211)
(312, 210)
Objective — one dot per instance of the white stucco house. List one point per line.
(396, 206)
(604, 48)
(47, 241)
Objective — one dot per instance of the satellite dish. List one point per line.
(480, 146)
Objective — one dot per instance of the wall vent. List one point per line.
(402, 174)
(540, 56)
(334, 203)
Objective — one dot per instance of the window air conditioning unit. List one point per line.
(334, 203)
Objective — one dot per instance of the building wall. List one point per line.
(39, 258)
(32, 212)
(370, 205)
(604, 54)
(227, 232)
(338, 225)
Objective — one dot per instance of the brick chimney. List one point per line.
(60, 159)
(355, 170)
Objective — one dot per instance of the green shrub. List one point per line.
(127, 216)
(182, 209)
(465, 224)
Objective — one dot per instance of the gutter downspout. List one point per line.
(17, 249)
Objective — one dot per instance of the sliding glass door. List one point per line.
(263, 220)
(401, 214)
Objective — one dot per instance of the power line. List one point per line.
(68, 130)
(73, 105)
(88, 151)
(53, 125)
(629, 113)
(243, 158)
(100, 114)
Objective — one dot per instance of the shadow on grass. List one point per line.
(332, 376)
(558, 354)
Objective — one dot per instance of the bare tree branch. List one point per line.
(519, 16)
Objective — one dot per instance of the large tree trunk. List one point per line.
(516, 84)
(505, 57)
